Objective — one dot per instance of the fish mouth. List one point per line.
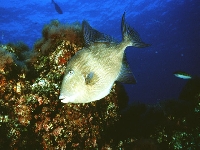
(61, 97)
(66, 99)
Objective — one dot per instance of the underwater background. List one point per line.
(172, 27)
(161, 111)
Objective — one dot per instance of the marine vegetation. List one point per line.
(32, 116)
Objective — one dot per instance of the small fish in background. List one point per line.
(182, 75)
(57, 8)
(92, 71)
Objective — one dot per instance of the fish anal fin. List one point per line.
(126, 76)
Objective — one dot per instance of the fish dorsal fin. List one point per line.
(91, 35)
(126, 76)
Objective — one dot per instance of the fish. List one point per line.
(92, 71)
(57, 8)
(182, 75)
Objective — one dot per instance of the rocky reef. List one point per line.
(32, 116)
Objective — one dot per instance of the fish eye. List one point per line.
(70, 72)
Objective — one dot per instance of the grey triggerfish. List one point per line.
(57, 8)
(92, 71)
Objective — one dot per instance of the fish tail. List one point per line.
(129, 34)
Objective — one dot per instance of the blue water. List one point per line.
(172, 27)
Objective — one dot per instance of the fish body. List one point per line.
(57, 8)
(182, 75)
(92, 71)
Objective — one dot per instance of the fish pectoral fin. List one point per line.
(89, 77)
(126, 76)
(91, 35)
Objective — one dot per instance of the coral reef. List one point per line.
(32, 117)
